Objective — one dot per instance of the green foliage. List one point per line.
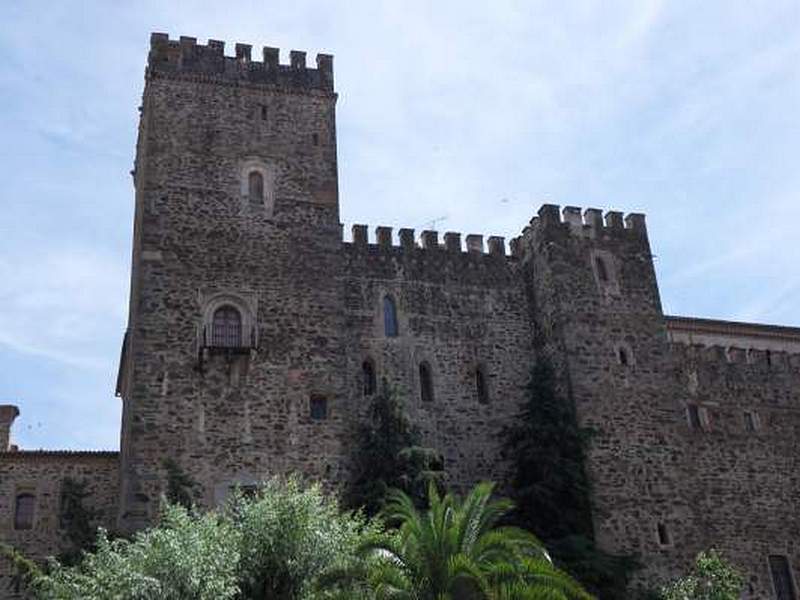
(388, 455)
(456, 551)
(711, 578)
(186, 556)
(273, 546)
(551, 489)
(179, 484)
(23, 570)
(289, 535)
(77, 520)
(548, 450)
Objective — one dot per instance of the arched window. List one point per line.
(481, 386)
(389, 317)
(255, 186)
(368, 381)
(23, 511)
(425, 382)
(602, 270)
(226, 328)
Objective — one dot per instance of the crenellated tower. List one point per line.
(234, 318)
(597, 307)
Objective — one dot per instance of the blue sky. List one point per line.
(477, 112)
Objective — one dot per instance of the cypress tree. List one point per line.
(388, 453)
(550, 486)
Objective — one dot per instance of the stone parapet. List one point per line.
(185, 57)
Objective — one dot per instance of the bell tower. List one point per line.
(234, 307)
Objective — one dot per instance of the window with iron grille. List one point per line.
(226, 328)
(23, 511)
(781, 577)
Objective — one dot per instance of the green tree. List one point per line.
(289, 536)
(550, 486)
(457, 551)
(272, 545)
(186, 556)
(388, 454)
(77, 520)
(711, 578)
(180, 485)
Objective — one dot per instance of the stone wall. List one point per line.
(744, 462)
(582, 284)
(664, 487)
(42, 473)
(232, 416)
(458, 311)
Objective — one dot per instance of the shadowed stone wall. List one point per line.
(41, 473)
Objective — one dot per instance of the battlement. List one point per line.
(186, 57)
(590, 222)
(739, 342)
(429, 240)
(772, 360)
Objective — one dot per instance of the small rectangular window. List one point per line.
(751, 422)
(781, 577)
(663, 535)
(319, 408)
(263, 112)
(693, 414)
(23, 511)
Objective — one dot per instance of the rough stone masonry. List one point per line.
(257, 333)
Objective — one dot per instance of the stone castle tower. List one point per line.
(237, 214)
(257, 333)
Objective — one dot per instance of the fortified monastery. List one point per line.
(257, 333)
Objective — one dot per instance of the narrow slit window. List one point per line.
(693, 412)
(263, 112)
(226, 328)
(389, 317)
(623, 357)
(319, 408)
(425, 382)
(23, 511)
(781, 577)
(663, 535)
(750, 421)
(602, 270)
(315, 139)
(255, 186)
(368, 380)
(481, 386)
